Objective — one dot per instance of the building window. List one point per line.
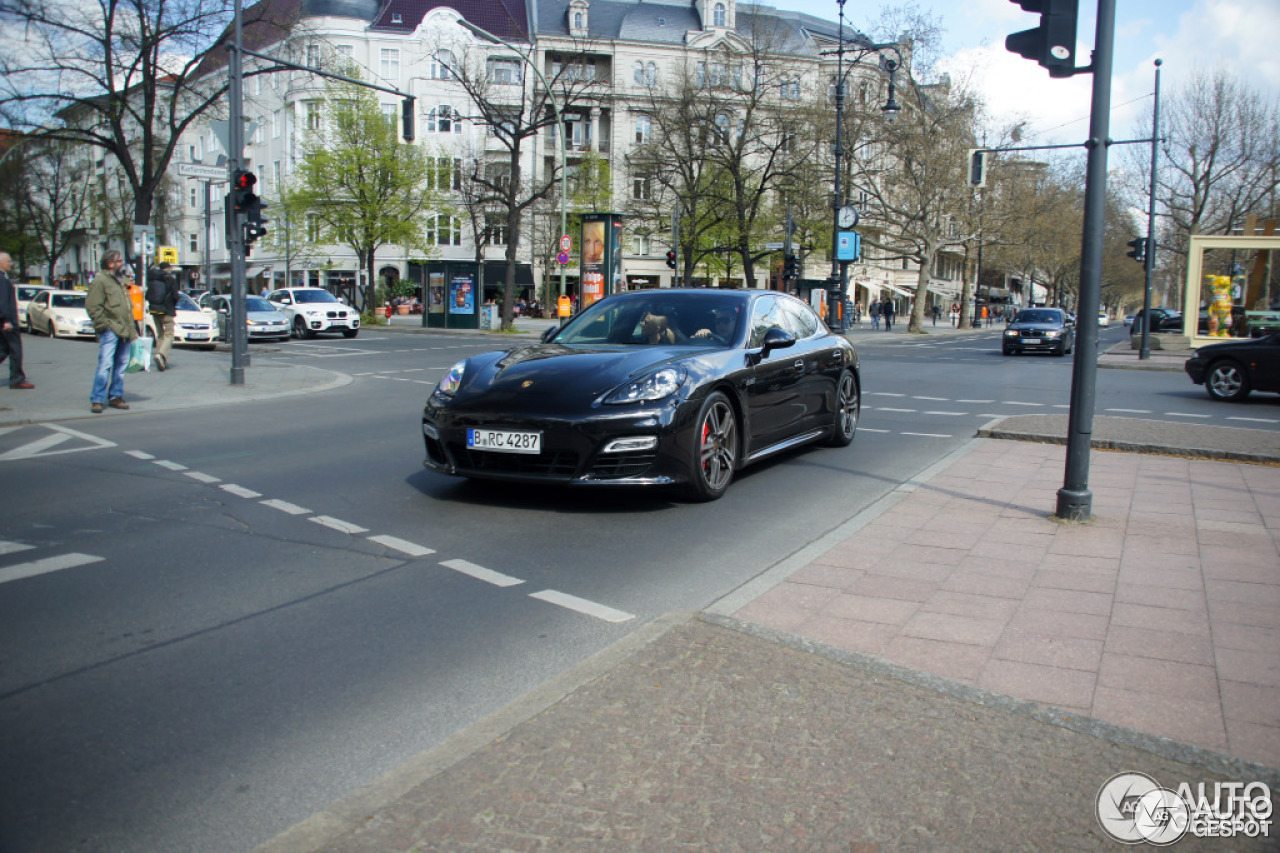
(313, 228)
(277, 120)
(577, 20)
(397, 18)
(640, 189)
(444, 173)
(644, 129)
(444, 230)
(194, 242)
(313, 56)
(645, 73)
(276, 175)
(390, 66)
(195, 198)
(495, 230)
(344, 50)
(442, 65)
(640, 244)
(719, 15)
(791, 90)
(443, 119)
(504, 71)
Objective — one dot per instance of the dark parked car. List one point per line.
(1231, 369)
(652, 388)
(1039, 330)
(1162, 320)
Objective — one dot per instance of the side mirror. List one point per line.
(776, 338)
(549, 334)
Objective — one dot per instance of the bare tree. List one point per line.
(515, 108)
(57, 198)
(126, 77)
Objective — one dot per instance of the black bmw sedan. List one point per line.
(1039, 330)
(657, 388)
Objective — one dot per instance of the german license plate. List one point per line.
(198, 336)
(1032, 341)
(504, 441)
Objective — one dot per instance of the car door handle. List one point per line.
(799, 364)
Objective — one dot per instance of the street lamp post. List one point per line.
(839, 281)
(555, 105)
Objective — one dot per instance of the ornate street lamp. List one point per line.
(844, 216)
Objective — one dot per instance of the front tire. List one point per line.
(300, 330)
(53, 330)
(847, 409)
(1226, 380)
(350, 333)
(714, 449)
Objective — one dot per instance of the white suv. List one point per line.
(314, 309)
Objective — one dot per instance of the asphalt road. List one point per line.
(219, 667)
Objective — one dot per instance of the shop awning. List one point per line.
(906, 294)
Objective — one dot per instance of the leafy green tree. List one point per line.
(360, 184)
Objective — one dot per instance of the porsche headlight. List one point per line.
(652, 386)
(449, 385)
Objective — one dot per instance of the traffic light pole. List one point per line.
(235, 237)
(1075, 501)
(1149, 257)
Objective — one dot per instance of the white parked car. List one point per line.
(190, 325)
(1103, 319)
(313, 309)
(27, 292)
(59, 314)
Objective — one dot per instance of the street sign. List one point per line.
(167, 254)
(774, 247)
(566, 244)
(209, 173)
(563, 257)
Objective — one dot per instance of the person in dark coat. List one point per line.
(10, 337)
(887, 312)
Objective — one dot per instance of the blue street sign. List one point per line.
(848, 246)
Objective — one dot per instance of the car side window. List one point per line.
(765, 314)
(802, 321)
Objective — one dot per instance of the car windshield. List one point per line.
(313, 296)
(691, 319)
(257, 303)
(68, 300)
(1038, 316)
(186, 303)
(28, 292)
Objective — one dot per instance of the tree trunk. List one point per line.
(916, 323)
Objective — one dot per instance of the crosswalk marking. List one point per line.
(48, 564)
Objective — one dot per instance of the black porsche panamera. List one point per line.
(662, 387)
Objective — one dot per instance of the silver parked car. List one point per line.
(264, 321)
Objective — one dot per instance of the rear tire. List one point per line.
(847, 409)
(1226, 380)
(714, 449)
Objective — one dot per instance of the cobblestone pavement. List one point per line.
(718, 737)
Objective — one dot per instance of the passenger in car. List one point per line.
(656, 329)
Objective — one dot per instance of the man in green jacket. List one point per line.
(111, 311)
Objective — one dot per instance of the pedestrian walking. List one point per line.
(887, 312)
(110, 310)
(937, 312)
(10, 336)
(162, 302)
(875, 315)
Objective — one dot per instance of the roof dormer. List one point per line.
(578, 18)
(717, 14)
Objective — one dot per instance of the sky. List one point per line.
(1188, 35)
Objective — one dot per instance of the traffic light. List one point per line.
(1138, 249)
(789, 270)
(977, 167)
(671, 258)
(242, 194)
(255, 224)
(406, 119)
(1053, 43)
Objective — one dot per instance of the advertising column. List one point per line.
(601, 262)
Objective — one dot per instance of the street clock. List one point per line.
(847, 217)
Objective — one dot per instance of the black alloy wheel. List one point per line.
(300, 329)
(847, 409)
(1226, 380)
(715, 449)
(350, 333)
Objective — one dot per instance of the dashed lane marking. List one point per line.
(239, 491)
(582, 605)
(48, 564)
(1253, 420)
(203, 478)
(1018, 403)
(481, 573)
(404, 547)
(1130, 411)
(285, 506)
(1184, 415)
(139, 454)
(338, 524)
(172, 466)
(887, 409)
(949, 414)
(927, 434)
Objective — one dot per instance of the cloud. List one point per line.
(1239, 35)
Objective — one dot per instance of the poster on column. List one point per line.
(462, 295)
